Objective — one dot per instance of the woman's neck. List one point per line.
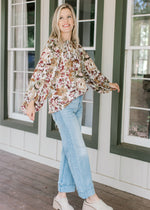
(66, 36)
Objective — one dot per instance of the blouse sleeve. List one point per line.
(92, 75)
(39, 85)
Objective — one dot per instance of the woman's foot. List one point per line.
(61, 195)
(92, 198)
(95, 203)
(60, 202)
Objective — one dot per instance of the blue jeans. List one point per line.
(74, 167)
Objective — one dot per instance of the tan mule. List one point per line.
(98, 205)
(61, 204)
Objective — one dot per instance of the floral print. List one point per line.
(61, 75)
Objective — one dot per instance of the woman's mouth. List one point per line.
(66, 25)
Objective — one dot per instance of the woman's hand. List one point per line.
(31, 111)
(114, 86)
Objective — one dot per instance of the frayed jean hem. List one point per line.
(67, 188)
(86, 194)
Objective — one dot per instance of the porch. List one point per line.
(28, 185)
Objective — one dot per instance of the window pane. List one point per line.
(140, 63)
(17, 15)
(18, 82)
(86, 34)
(16, 1)
(17, 102)
(139, 123)
(23, 36)
(140, 31)
(91, 53)
(140, 93)
(29, 13)
(16, 37)
(89, 95)
(29, 37)
(31, 61)
(87, 114)
(87, 9)
(18, 61)
(73, 3)
(141, 6)
(27, 79)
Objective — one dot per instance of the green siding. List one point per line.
(3, 54)
(117, 146)
(4, 120)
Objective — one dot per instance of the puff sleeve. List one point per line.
(92, 75)
(40, 82)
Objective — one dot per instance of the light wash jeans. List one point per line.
(74, 167)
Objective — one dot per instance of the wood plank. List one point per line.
(28, 185)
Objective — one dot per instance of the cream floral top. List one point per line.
(61, 75)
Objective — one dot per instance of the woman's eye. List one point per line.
(69, 16)
(60, 18)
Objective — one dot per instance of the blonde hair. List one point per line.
(55, 33)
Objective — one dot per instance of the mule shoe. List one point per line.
(98, 205)
(61, 204)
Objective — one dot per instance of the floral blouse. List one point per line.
(61, 75)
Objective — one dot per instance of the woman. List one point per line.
(61, 74)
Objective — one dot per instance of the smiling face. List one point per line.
(65, 22)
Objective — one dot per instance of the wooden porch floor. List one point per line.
(28, 185)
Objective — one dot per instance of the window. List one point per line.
(130, 108)
(21, 52)
(137, 79)
(87, 20)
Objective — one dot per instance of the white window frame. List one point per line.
(11, 114)
(126, 138)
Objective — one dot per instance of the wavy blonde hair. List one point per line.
(55, 33)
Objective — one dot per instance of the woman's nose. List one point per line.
(66, 20)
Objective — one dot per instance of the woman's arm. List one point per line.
(93, 76)
(39, 85)
(114, 86)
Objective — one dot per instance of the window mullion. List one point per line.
(22, 26)
(11, 54)
(77, 15)
(61, 2)
(87, 20)
(95, 25)
(35, 26)
(128, 28)
(9, 24)
(139, 48)
(127, 94)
